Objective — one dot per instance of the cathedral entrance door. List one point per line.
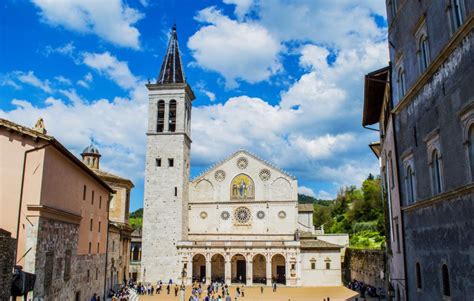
(281, 274)
(202, 271)
(241, 271)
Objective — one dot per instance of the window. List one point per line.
(100, 201)
(99, 226)
(410, 185)
(397, 231)
(96, 274)
(170, 162)
(88, 276)
(313, 264)
(470, 145)
(91, 224)
(328, 265)
(394, 8)
(158, 162)
(455, 12)
(401, 83)
(135, 256)
(90, 247)
(92, 198)
(67, 265)
(48, 270)
(113, 246)
(161, 116)
(446, 287)
(176, 191)
(436, 172)
(423, 53)
(392, 177)
(98, 247)
(84, 193)
(172, 116)
(418, 276)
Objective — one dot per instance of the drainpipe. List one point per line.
(25, 156)
(402, 224)
(107, 248)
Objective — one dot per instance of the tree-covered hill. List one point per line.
(136, 218)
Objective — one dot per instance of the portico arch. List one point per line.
(259, 269)
(279, 269)
(217, 268)
(238, 268)
(199, 267)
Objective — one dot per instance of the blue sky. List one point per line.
(282, 79)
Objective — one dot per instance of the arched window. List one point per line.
(423, 53)
(410, 185)
(401, 83)
(456, 16)
(471, 150)
(161, 116)
(436, 172)
(136, 254)
(172, 116)
(446, 287)
(242, 187)
(418, 276)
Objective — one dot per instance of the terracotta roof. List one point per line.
(51, 140)
(121, 226)
(172, 71)
(318, 244)
(107, 176)
(305, 208)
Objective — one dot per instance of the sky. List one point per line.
(282, 79)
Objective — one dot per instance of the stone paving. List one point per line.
(335, 293)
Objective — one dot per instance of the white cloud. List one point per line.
(62, 80)
(5, 81)
(306, 191)
(324, 195)
(67, 49)
(86, 80)
(109, 66)
(242, 7)
(31, 79)
(209, 94)
(111, 20)
(325, 146)
(237, 50)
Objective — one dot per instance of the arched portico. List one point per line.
(259, 269)
(279, 269)
(199, 267)
(238, 268)
(217, 268)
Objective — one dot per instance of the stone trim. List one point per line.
(435, 64)
(446, 196)
(232, 202)
(53, 213)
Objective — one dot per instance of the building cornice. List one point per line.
(446, 196)
(54, 213)
(455, 41)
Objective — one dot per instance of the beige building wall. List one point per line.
(320, 275)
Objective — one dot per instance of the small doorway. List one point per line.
(241, 272)
(202, 272)
(238, 269)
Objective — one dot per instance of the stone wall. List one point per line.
(7, 252)
(364, 265)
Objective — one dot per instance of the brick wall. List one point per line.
(7, 252)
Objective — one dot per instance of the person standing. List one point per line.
(274, 286)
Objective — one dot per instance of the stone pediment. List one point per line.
(240, 177)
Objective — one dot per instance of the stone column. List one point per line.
(249, 273)
(227, 271)
(208, 270)
(287, 270)
(189, 270)
(268, 270)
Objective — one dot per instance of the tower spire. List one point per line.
(172, 71)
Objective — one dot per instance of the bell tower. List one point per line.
(165, 216)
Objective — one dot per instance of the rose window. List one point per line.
(265, 174)
(225, 215)
(260, 214)
(242, 215)
(203, 214)
(219, 175)
(242, 163)
(282, 214)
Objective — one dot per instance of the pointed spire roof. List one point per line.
(172, 69)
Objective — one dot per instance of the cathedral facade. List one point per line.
(238, 222)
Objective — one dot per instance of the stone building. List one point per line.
(237, 222)
(119, 230)
(7, 260)
(136, 255)
(432, 111)
(53, 205)
(378, 109)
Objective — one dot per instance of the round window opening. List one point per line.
(242, 163)
(265, 174)
(242, 215)
(225, 215)
(282, 214)
(260, 214)
(219, 175)
(203, 214)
